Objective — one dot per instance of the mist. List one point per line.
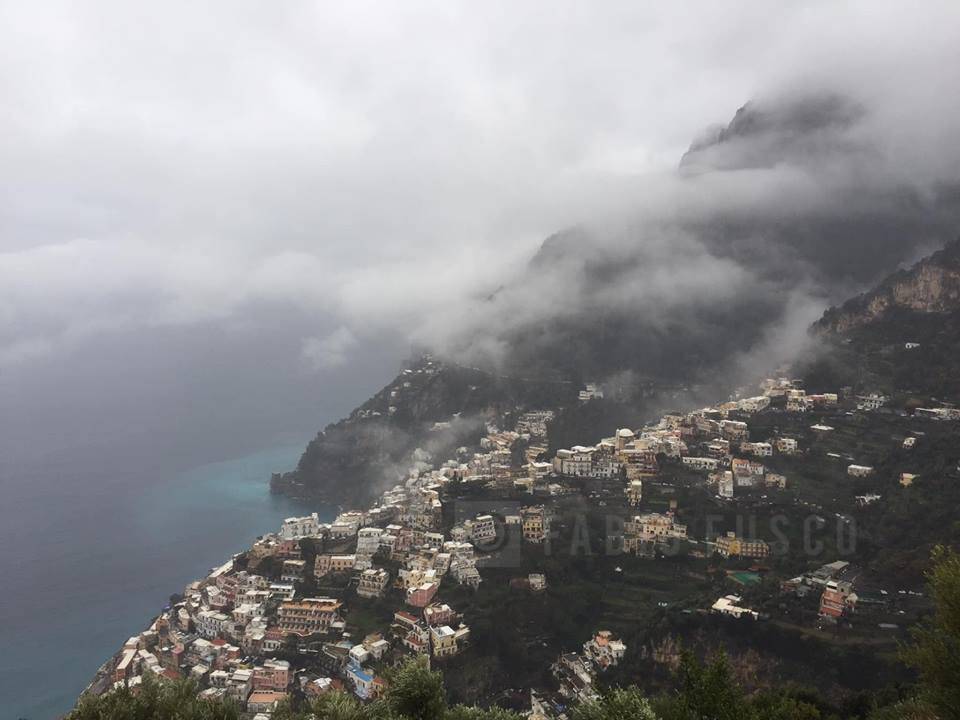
(246, 215)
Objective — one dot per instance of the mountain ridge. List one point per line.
(693, 304)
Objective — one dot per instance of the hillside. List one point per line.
(662, 312)
(430, 405)
(821, 487)
(900, 337)
(686, 292)
(438, 406)
(931, 286)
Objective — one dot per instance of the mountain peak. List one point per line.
(766, 132)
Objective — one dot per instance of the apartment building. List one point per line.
(730, 545)
(373, 583)
(308, 615)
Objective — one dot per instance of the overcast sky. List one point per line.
(248, 204)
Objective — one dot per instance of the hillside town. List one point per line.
(287, 616)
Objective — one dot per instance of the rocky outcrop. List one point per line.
(930, 286)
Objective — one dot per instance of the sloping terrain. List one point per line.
(930, 287)
(353, 460)
(694, 293)
(675, 309)
(900, 337)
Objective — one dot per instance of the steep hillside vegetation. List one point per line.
(430, 405)
(901, 337)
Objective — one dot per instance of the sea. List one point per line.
(89, 561)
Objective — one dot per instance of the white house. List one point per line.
(701, 463)
(481, 529)
(730, 605)
(787, 446)
(211, 624)
(368, 540)
(300, 527)
(726, 485)
(759, 449)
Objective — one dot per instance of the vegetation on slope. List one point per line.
(900, 337)
(352, 461)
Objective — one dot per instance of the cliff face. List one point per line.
(902, 336)
(930, 286)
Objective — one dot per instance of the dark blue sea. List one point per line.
(86, 562)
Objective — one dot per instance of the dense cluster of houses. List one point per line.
(713, 440)
(231, 630)
(228, 627)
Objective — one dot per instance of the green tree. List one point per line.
(705, 692)
(936, 643)
(628, 704)
(465, 712)
(906, 710)
(336, 705)
(773, 705)
(416, 692)
(154, 700)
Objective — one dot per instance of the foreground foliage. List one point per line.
(154, 700)
(936, 649)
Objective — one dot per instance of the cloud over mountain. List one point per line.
(300, 170)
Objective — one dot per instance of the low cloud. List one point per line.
(331, 351)
(309, 170)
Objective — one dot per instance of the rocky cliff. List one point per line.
(930, 286)
(900, 337)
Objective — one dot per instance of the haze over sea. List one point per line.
(89, 560)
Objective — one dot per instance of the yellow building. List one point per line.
(732, 546)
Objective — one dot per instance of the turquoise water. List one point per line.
(89, 562)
